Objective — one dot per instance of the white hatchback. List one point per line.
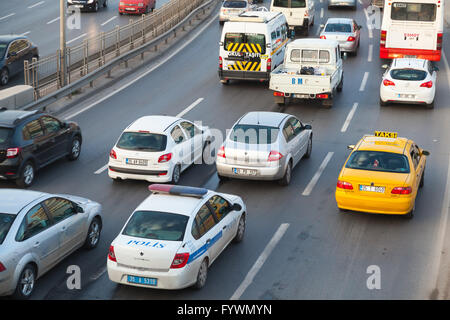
(157, 149)
(173, 236)
(409, 80)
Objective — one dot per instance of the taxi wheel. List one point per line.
(26, 283)
(422, 180)
(410, 214)
(202, 275)
(241, 230)
(287, 175)
(105, 4)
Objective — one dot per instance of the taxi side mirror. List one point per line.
(236, 207)
(425, 153)
(351, 147)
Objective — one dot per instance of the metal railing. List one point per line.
(44, 75)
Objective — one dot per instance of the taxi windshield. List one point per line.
(157, 225)
(378, 161)
(6, 221)
(144, 141)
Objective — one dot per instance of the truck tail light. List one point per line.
(12, 152)
(221, 152)
(322, 96)
(351, 38)
(439, 41)
(165, 158)
(220, 63)
(274, 156)
(278, 94)
(111, 254)
(269, 65)
(428, 84)
(387, 83)
(180, 260)
(401, 190)
(383, 36)
(112, 154)
(344, 185)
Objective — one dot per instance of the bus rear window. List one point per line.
(407, 11)
(294, 3)
(259, 40)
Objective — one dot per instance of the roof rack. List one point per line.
(178, 190)
(255, 16)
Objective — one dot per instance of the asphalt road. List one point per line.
(324, 254)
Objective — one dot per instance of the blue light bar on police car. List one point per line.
(178, 190)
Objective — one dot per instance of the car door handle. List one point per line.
(224, 227)
(36, 244)
(63, 228)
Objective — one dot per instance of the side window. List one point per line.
(288, 131)
(296, 125)
(205, 220)
(177, 134)
(34, 222)
(32, 130)
(60, 209)
(274, 35)
(22, 45)
(51, 124)
(283, 32)
(414, 156)
(220, 206)
(189, 128)
(278, 32)
(194, 231)
(14, 47)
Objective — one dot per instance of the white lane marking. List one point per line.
(349, 117)
(260, 261)
(364, 81)
(145, 73)
(317, 175)
(98, 274)
(321, 12)
(36, 4)
(370, 33)
(108, 21)
(54, 20)
(77, 38)
(369, 57)
(25, 33)
(101, 169)
(9, 15)
(192, 106)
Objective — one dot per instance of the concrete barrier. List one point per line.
(16, 97)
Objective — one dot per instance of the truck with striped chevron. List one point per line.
(312, 69)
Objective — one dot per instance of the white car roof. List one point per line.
(263, 118)
(313, 43)
(184, 205)
(157, 124)
(409, 63)
(14, 200)
(339, 20)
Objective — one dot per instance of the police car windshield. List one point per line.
(378, 161)
(143, 141)
(234, 4)
(258, 40)
(294, 3)
(408, 74)
(6, 221)
(338, 27)
(254, 134)
(4, 135)
(157, 225)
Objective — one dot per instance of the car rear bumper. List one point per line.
(7, 286)
(243, 75)
(263, 173)
(10, 169)
(420, 97)
(392, 53)
(348, 46)
(115, 172)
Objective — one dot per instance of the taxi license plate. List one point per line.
(142, 280)
(407, 96)
(245, 172)
(137, 162)
(371, 188)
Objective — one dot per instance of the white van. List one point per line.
(299, 13)
(252, 45)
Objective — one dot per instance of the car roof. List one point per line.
(163, 202)
(313, 43)
(11, 37)
(13, 200)
(372, 143)
(9, 117)
(409, 63)
(340, 20)
(263, 118)
(157, 124)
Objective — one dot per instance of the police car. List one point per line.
(173, 236)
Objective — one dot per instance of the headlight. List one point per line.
(90, 1)
(140, 4)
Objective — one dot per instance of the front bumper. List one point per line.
(132, 9)
(263, 173)
(243, 75)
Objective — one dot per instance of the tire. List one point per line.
(95, 6)
(205, 146)
(240, 231)
(27, 175)
(222, 178)
(202, 275)
(287, 175)
(221, 23)
(341, 85)
(431, 105)
(176, 174)
(309, 149)
(4, 77)
(105, 4)
(410, 214)
(93, 235)
(327, 103)
(75, 149)
(26, 283)
(422, 180)
(382, 103)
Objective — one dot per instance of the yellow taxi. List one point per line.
(382, 174)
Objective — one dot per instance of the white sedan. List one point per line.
(157, 149)
(409, 80)
(173, 236)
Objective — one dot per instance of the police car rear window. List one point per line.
(378, 161)
(254, 134)
(156, 225)
(259, 40)
(143, 141)
(294, 3)
(234, 4)
(408, 74)
(4, 134)
(6, 221)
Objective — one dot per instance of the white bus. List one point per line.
(412, 29)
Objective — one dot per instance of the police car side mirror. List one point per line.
(351, 147)
(236, 207)
(425, 153)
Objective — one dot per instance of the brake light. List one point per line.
(383, 37)
(113, 154)
(269, 65)
(306, 13)
(165, 158)
(387, 82)
(344, 185)
(180, 260)
(278, 94)
(351, 38)
(274, 156)
(12, 152)
(322, 96)
(111, 254)
(220, 63)
(402, 190)
(439, 41)
(428, 84)
(323, 37)
(2, 267)
(221, 152)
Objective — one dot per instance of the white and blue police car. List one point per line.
(174, 235)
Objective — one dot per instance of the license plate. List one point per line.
(245, 172)
(137, 162)
(142, 280)
(130, 9)
(79, 6)
(406, 96)
(410, 56)
(300, 96)
(371, 188)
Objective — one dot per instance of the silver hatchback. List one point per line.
(264, 146)
(38, 230)
(345, 30)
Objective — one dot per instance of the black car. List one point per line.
(30, 140)
(14, 50)
(91, 5)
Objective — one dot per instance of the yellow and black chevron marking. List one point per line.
(245, 66)
(244, 47)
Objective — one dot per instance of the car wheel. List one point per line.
(422, 180)
(27, 174)
(341, 85)
(225, 81)
(287, 175)
(96, 6)
(382, 103)
(176, 174)
(93, 235)
(240, 231)
(26, 283)
(309, 148)
(75, 149)
(105, 4)
(202, 275)
(222, 178)
(4, 77)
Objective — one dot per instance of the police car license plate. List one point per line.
(137, 162)
(245, 172)
(371, 188)
(407, 96)
(142, 280)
